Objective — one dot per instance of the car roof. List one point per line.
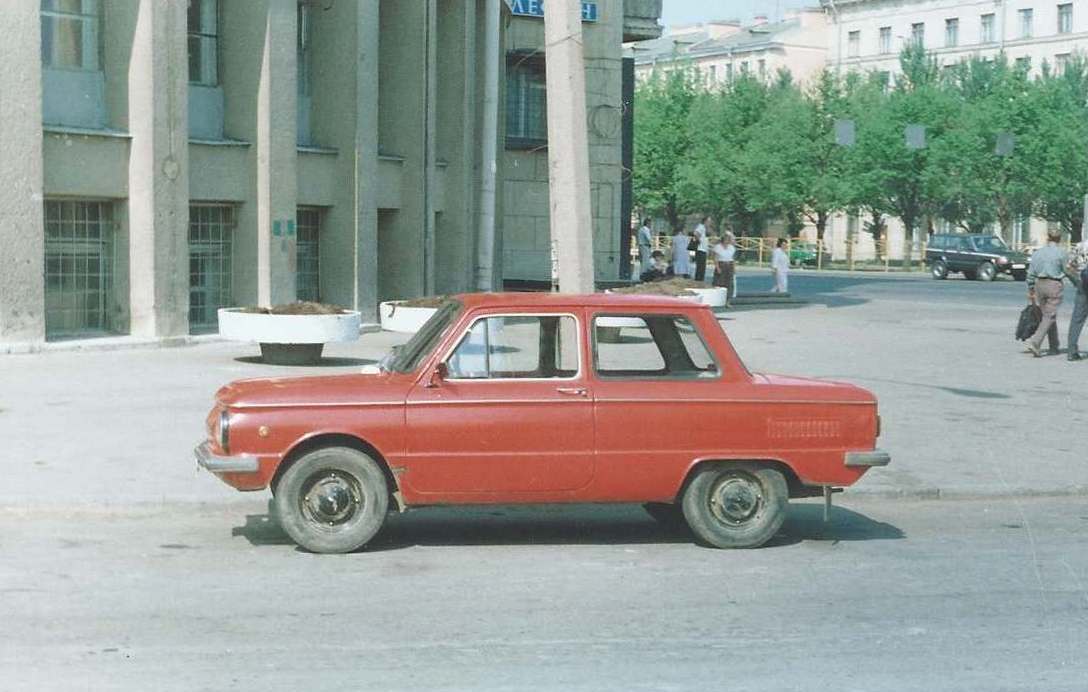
(569, 300)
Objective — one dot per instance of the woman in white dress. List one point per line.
(681, 257)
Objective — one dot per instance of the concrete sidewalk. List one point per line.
(965, 413)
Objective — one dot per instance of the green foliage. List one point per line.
(754, 150)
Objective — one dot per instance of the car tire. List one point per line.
(986, 271)
(1020, 275)
(332, 500)
(668, 515)
(939, 269)
(736, 505)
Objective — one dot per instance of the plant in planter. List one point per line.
(715, 296)
(290, 334)
(408, 315)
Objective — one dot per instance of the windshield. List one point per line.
(990, 244)
(407, 358)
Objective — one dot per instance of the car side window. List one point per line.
(937, 243)
(517, 347)
(666, 346)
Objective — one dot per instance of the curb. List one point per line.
(933, 493)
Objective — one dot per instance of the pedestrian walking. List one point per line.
(681, 260)
(780, 267)
(725, 253)
(1077, 270)
(702, 244)
(645, 246)
(1045, 274)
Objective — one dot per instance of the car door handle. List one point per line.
(572, 391)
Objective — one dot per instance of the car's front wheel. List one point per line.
(332, 500)
(987, 271)
(736, 505)
(939, 269)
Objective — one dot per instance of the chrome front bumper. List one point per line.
(877, 457)
(242, 463)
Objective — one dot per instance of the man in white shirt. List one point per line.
(725, 252)
(700, 252)
(645, 246)
(780, 267)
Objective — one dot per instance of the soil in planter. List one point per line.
(676, 288)
(424, 302)
(299, 308)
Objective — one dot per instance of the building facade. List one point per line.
(722, 50)
(165, 159)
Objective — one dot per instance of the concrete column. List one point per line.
(368, 19)
(277, 153)
(158, 172)
(22, 232)
(571, 214)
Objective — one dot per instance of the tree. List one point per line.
(662, 140)
(1059, 152)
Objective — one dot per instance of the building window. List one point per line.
(211, 236)
(744, 69)
(884, 78)
(1027, 19)
(762, 67)
(712, 74)
(853, 44)
(918, 34)
(1024, 63)
(885, 40)
(951, 32)
(204, 42)
(1061, 61)
(526, 101)
(986, 29)
(729, 71)
(304, 55)
(308, 266)
(1065, 18)
(78, 267)
(70, 35)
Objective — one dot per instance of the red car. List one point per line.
(545, 398)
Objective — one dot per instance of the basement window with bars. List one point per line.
(308, 267)
(211, 236)
(526, 101)
(79, 242)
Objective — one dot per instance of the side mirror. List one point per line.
(440, 372)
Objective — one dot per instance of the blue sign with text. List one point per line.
(535, 8)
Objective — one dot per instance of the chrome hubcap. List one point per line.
(331, 498)
(735, 500)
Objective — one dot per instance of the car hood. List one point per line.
(823, 390)
(330, 390)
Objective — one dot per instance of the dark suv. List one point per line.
(975, 255)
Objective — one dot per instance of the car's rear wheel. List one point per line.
(939, 269)
(987, 271)
(736, 505)
(332, 500)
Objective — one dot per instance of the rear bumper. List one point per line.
(877, 457)
(242, 463)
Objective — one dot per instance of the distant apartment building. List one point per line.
(722, 50)
(161, 160)
(869, 34)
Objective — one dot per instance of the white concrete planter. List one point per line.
(397, 318)
(288, 339)
(714, 297)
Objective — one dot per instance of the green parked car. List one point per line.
(804, 254)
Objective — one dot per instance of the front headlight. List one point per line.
(224, 431)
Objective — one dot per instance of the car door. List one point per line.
(512, 415)
(958, 257)
(660, 395)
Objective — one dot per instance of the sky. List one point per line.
(688, 11)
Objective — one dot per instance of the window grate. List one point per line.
(211, 235)
(308, 267)
(78, 267)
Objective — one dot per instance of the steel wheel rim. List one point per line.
(331, 498)
(736, 499)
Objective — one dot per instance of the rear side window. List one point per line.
(665, 346)
(939, 242)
